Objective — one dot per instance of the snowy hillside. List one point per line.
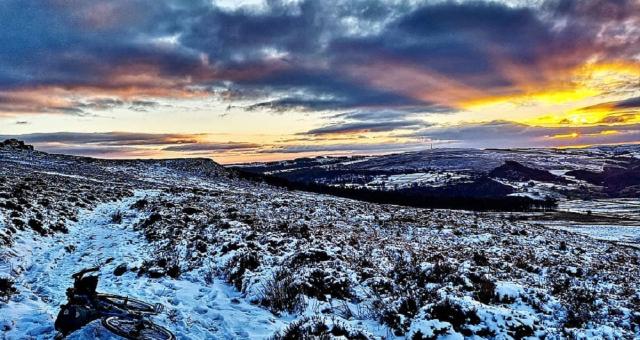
(230, 258)
(559, 173)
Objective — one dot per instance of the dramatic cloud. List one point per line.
(630, 103)
(504, 134)
(100, 151)
(106, 139)
(370, 148)
(345, 128)
(212, 147)
(309, 54)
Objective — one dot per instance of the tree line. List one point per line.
(412, 197)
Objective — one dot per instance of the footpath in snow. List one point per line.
(193, 308)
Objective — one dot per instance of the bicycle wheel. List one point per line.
(127, 303)
(134, 329)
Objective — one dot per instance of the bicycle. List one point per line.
(121, 315)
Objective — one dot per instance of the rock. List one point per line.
(156, 272)
(190, 210)
(174, 271)
(14, 144)
(121, 269)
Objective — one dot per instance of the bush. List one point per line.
(238, 266)
(440, 271)
(174, 271)
(116, 217)
(316, 327)
(281, 294)
(580, 306)
(36, 225)
(486, 290)
(407, 272)
(6, 288)
(399, 319)
(320, 283)
(480, 259)
(456, 315)
(153, 218)
(140, 204)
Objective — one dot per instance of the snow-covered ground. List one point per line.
(620, 219)
(193, 309)
(627, 208)
(253, 260)
(433, 179)
(619, 233)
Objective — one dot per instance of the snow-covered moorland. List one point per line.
(233, 259)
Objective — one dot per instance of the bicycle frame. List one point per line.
(105, 306)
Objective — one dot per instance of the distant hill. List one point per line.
(515, 171)
(597, 172)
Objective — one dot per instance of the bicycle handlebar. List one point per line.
(84, 271)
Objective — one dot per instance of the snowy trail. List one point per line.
(193, 309)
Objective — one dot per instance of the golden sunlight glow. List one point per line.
(565, 136)
(592, 84)
(575, 135)
(587, 81)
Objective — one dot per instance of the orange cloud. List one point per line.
(414, 81)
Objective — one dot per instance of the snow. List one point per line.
(432, 328)
(509, 277)
(434, 179)
(193, 308)
(618, 233)
(508, 291)
(68, 175)
(620, 207)
(558, 172)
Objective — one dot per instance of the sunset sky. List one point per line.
(264, 80)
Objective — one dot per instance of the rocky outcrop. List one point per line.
(14, 144)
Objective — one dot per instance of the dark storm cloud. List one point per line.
(105, 104)
(311, 55)
(444, 38)
(84, 43)
(384, 126)
(325, 90)
(629, 103)
(360, 121)
(379, 115)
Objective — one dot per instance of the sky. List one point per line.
(260, 80)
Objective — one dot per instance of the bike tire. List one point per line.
(129, 304)
(134, 329)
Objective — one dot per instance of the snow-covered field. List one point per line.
(193, 308)
(628, 208)
(620, 233)
(616, 220)
(234, 259)
(433, 179)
